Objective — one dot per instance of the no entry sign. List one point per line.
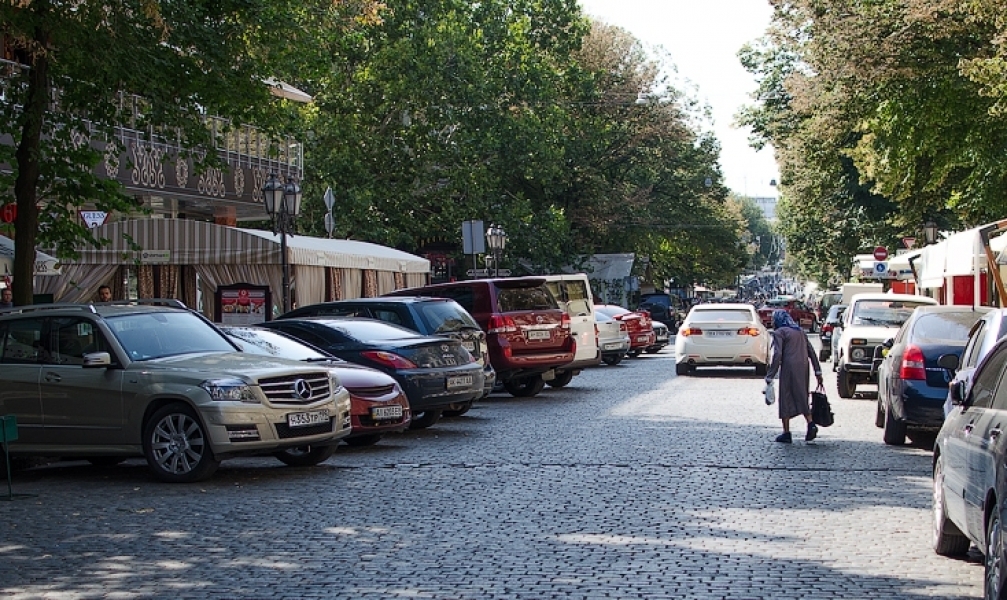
(880, 253)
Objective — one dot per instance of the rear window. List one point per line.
(371, 330)
(945, 326)
(722, 315)
(527, 298)
(443, 317)
(885, 313)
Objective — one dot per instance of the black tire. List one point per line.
(427, 418)
(106, 461)
(845, 387)
(561, 379)
(457, 410)
(824, 355)
(948, 540)
(993, 582)
(524, 387)
(879, 418)
(634, 353)
(895, 431)
(360, 441)
(682, 368)
(305, 456)
(761, 369)
(612, 359)
(654, 349)
(170, 426)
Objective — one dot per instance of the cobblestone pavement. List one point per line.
(629, 483)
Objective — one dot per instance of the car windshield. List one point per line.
(525, 298)
(445, 317)
(612, 311)
(885, 313)
(271, 343)
(151, 335)
(947, 326)
(724, 315)
(836, 313)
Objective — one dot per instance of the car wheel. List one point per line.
(612, 359)
(524, 387)
(305, 456)
(895, 431)
(634, 353)
(879, 418)
(823, 355)
(948, 540)
(457, 410)
(105, 461)
(682, 368)
(845, 387)
(176, 445)
(761, 369)
(994, 580)
(561, 379)
(427, 418)
(359, 441)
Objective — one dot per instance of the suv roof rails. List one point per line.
(42, 307)
(172, 302)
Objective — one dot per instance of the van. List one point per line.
(573, 293)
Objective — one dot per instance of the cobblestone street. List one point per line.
(629, 483)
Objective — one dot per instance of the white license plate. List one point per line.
(538, 334)
(379, 413)
(459, 382)
(720, 333)
(305, 419)
(642, 338)
(615, 346)
(470, 346)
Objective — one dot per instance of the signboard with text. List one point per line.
(242, 304)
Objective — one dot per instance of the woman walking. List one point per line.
(791, 352)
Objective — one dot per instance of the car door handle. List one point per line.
(53, 377)
(995, 433)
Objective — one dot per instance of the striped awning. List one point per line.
(187, 242)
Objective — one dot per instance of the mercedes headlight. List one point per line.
(229, 390)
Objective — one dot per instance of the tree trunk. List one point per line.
(28, 171)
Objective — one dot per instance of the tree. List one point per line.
(78, 67)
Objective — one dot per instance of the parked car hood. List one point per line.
(873, 333)
(229, 363)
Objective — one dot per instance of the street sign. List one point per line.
(93, 218)
(881, 269)
(909, 242)
(880, 253)
(330, 223)
(502, 273)
(329, 199)
(8, 213)
(478, 273)
(473, 237)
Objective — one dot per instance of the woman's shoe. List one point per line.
(812, 432)
(785, 438)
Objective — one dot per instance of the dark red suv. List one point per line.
(527, 334)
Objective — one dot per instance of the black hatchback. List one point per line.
(429, 316)
(434, 372)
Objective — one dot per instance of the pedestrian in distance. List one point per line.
(104, 294)
(791, 352)
(6, 298)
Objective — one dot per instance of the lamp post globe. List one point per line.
(496, 239)
(282, 203)
(930, 232)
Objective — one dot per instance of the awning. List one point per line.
(44, 263)
(284, 90)
(932, 275)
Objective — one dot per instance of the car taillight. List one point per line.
(692, 331)
(622, 326)
(502, 324)
(752, 331)
(388, 359)
(912, 364)
(827, 328)
(597, 333)
(565, 321)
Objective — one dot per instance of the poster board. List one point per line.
(242, 304)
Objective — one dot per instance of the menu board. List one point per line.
(242, 304)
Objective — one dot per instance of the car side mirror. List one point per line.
(948, 361)
(889, 343)
(958, 393)
(97, 360)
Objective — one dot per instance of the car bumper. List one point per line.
(366, 421)
(429, 390)
(240, 430)
(920, 405)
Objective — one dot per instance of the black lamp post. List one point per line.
(283, 203)
(930, 232)
(496, 239)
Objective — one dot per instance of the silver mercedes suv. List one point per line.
(107, 382)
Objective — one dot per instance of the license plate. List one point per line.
(459, 381)
(470, 346)
(720, 333)
(615, 346)
(538, 334)
(305, 419)
(379, 413)
(642, 338)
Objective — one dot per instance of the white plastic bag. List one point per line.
(770, 393)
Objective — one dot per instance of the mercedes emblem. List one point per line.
(302, 388)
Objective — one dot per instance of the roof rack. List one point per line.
(90, 306)
(43, 307)
(172, 302)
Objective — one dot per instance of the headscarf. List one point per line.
(782, 319)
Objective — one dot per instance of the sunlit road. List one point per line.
(629, 483)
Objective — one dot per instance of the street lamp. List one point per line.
(496, 239)
(283, 203)
(930, 232)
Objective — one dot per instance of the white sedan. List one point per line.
(715, 335)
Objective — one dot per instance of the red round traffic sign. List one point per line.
(8, 213)
(880, 253)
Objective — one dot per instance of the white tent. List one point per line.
(44, 264)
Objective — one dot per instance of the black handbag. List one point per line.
(821, 411)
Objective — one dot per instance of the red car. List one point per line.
(377, 403)
(638, 324)
(527, 333)
(799, 311)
